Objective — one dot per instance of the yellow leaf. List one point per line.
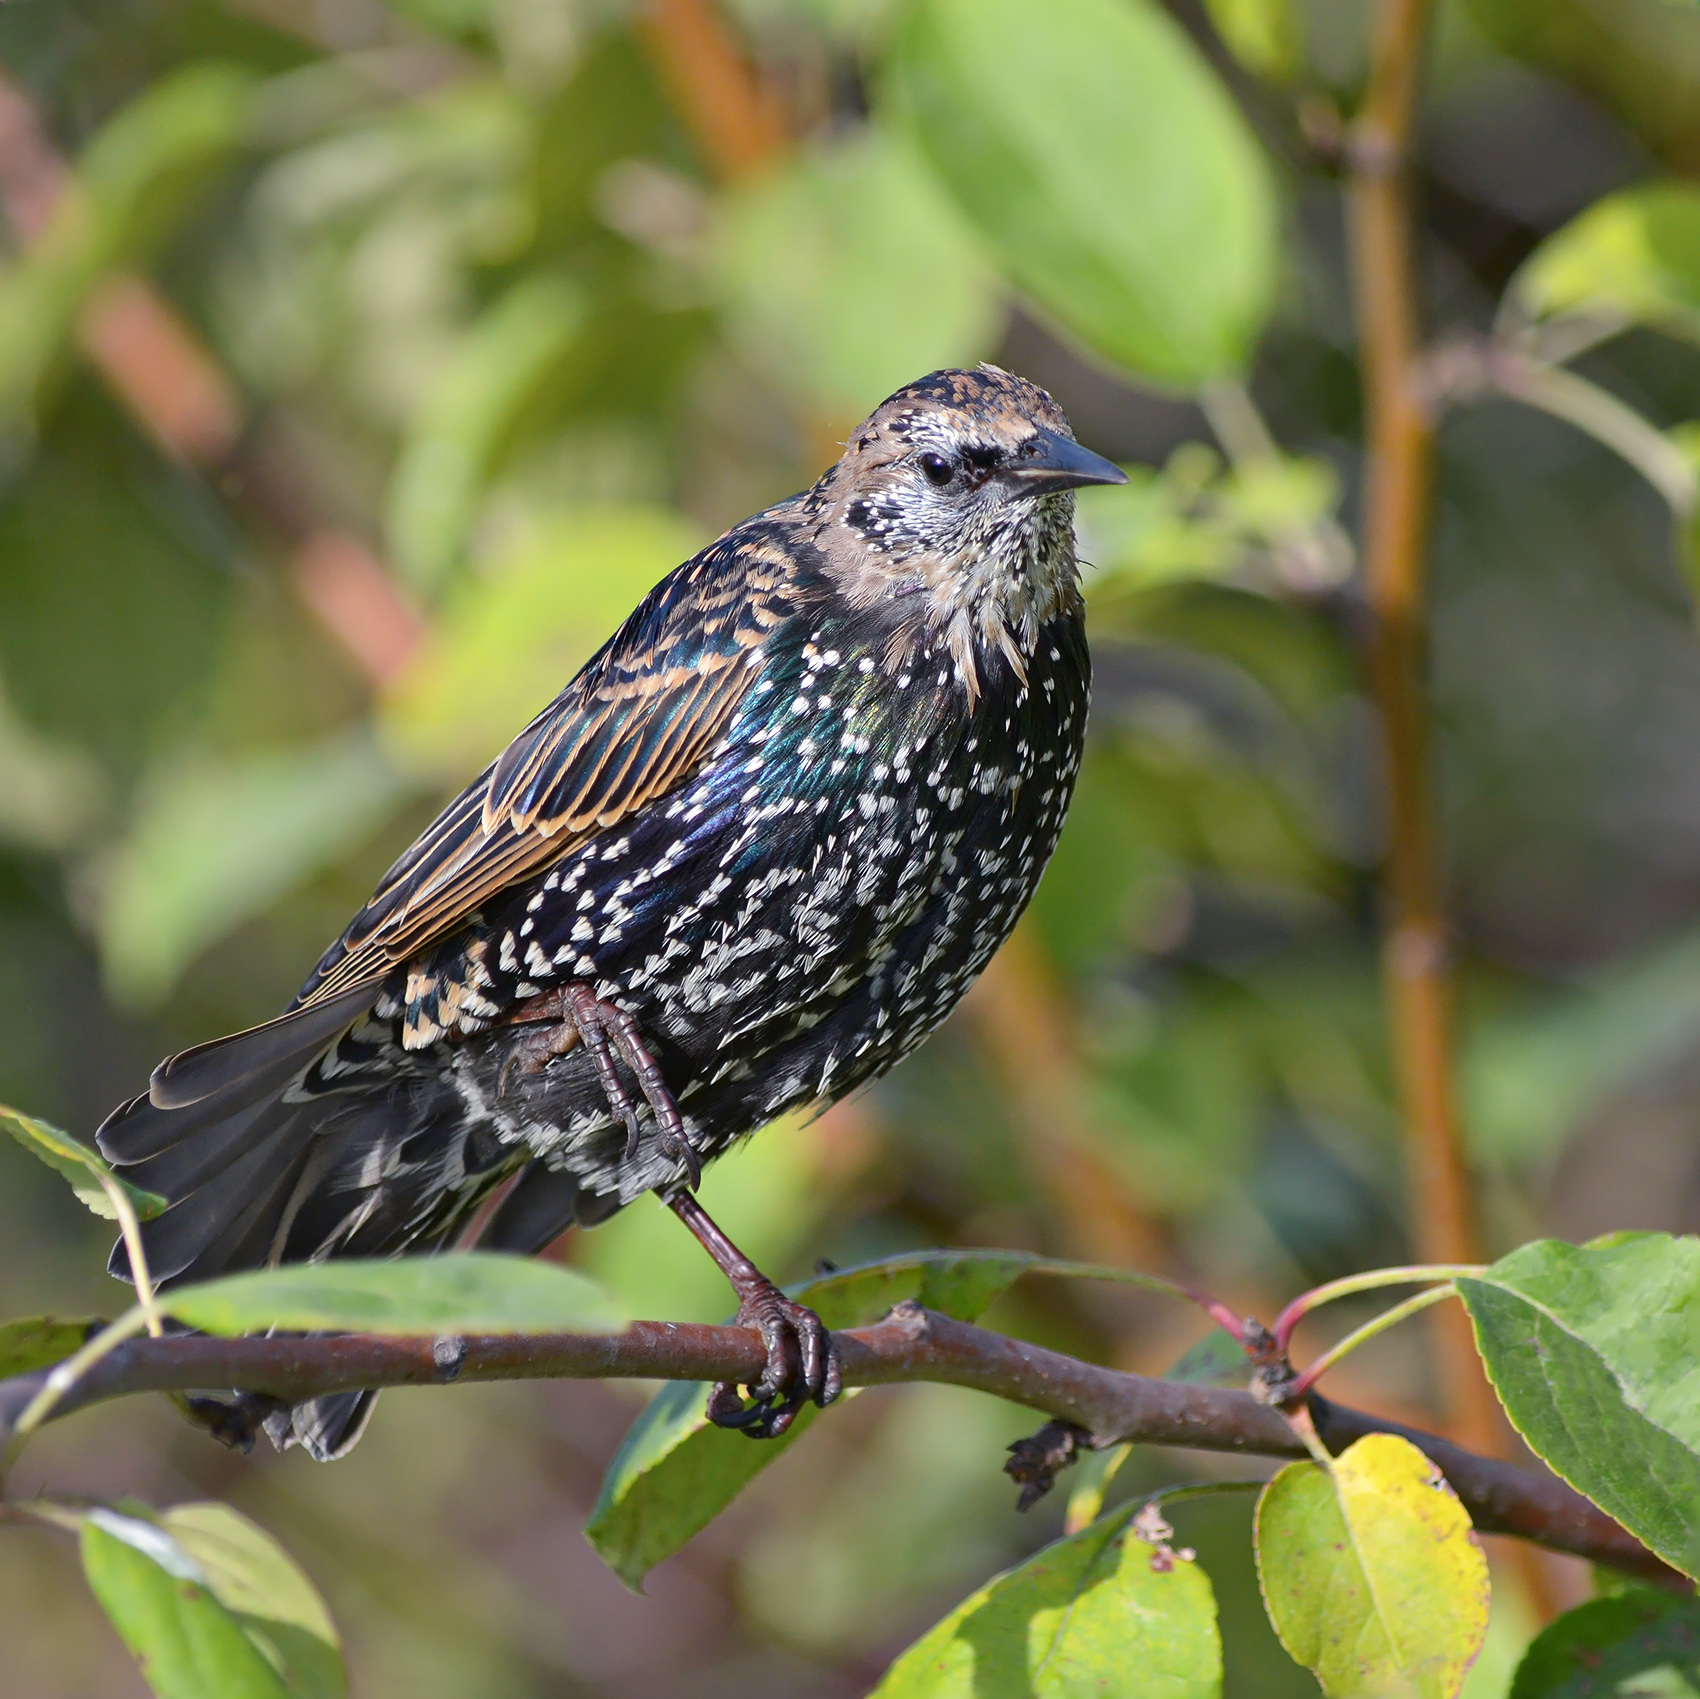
(1372, 1575)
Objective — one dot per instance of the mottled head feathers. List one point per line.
(951, 493)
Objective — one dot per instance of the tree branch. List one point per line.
(1398, 497)
(911, 1344)
(736, 123)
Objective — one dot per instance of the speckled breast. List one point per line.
(821, 896)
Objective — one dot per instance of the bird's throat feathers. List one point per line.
(989, 591)
(931, 514)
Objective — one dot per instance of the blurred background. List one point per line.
(362, 363)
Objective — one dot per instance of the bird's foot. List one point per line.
(232, 1421)
(575, 1012)
(802, 1363)
(802, 1357)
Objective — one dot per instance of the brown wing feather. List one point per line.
(635, 724)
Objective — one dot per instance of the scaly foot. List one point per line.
(573, 1012)
(802, 1359)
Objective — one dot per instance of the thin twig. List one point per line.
(1397, 504)
(1361, 1336)
(911, 1344)
(1352, 1285)
(130, 1230)
(736, 123)
(1466, 370)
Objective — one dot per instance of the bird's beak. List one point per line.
(1050, 461)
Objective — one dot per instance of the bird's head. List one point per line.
(960, 486)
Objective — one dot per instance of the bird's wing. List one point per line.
(635, 724)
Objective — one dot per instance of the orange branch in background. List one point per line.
(1416, 961)
(349, 591)
(736, 122)
(172, 385)
(155, 365)
(32, 175)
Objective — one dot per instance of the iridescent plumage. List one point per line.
(775, 826)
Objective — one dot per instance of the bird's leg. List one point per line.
(669, 1124)
(802, 1360)
(573, 1012)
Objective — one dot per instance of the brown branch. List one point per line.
(1416, 961)
(735, 122)
(911, 1344)
(356, 599)
(173, 386)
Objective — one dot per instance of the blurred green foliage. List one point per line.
(487, 308)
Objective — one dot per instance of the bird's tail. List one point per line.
(542, 1204)
(224, 1139)
(265, 1154)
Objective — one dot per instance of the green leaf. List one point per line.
(1372, 1575)
(511, 634)
(849, 273)
(1264, 35)
(1277, 496)
(674, 1473)
(267, 1592)
(132, 185)
(1101, 1612)
(468, 1292)
(1218, 1359)
(112, 662)
(163, 1606)
(1198, 520)
(1633, 256)
(1105, 167)
(1595, 1651)
(51, 792)
(215, 842)
(500, 364)
(1591, 1349)
(1152, 531)
(38, 1342)
(81, 1164)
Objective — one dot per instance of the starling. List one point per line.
(747, 860)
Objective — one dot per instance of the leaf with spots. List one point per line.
(1599, 1649)
(1372, 1575)
(1100, 1612)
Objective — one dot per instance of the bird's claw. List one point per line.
(677, 1147)
(802, 1364)
(575, 1013)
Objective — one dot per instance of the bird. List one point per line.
(752, 854)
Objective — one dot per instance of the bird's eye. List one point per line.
(938, 470)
